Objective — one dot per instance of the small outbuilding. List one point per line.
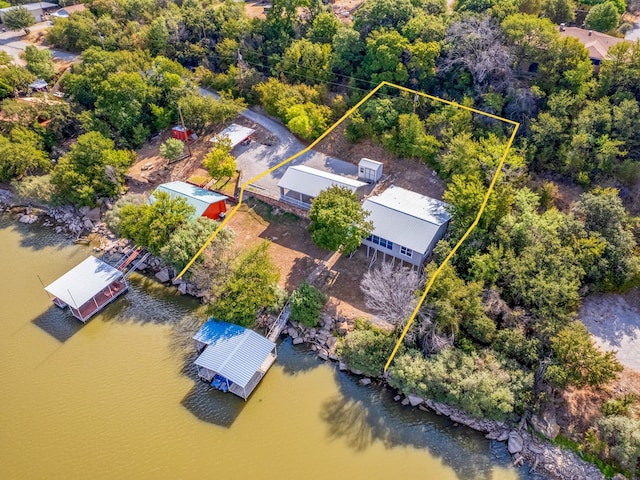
(39, 85)
(206, 203)
(301, 184)
(406, 225)
(369, 170)
(232, 358)
(237, 134)
(182, 133)
(88, 288)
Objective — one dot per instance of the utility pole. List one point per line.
(185, 130)
(415, 102)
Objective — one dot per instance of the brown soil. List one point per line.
(410, 174)
(255, 8)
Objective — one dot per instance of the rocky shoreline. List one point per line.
(84, 225)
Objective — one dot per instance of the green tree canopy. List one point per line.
(21, 153)
(219, 162)
(93, 168)
(172, 149)
(306, 302)
(250, 288)
(19, 18)
(577, 361)
(338, 221)
(40, 62)
(152, 224)
(602, 17)
(306, 62)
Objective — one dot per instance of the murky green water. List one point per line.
(117, 398)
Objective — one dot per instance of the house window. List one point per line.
(407, 252)
(381, 241)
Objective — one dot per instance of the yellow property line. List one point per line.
(327, 132)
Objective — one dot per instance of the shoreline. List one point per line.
(525, 448)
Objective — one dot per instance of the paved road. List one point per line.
(633, 35)
(14, 44)
(256, 158)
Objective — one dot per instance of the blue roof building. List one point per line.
(233, 358)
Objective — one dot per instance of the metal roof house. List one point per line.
(301, 184)
(406, 225)
(232, 358)
(87, 288)
(236, 133)
(37, 10)
(207, 203)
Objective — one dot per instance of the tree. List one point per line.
(189, 236)
(307, 120)
(40, 62)
(172, 149)
(559, 11)
(577, 361)
(323, 28)
(151, 225)
(602, 17)
(306, 62)
(199, 111)
(250, 288)
(19, 18)
(391, 14)
(219, 162)
(390, 292)
(14, 79)
(93, 168)
(21, 153)
(338, 221)
(410, 139)
(306, 302)
(348, 51)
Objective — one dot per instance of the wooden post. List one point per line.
(185, 130)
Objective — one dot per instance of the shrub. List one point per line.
(367, 349)
(306, 303)
(622, 436)
(36, 187)
(479, 383)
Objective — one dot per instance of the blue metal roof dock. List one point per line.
(236, 356)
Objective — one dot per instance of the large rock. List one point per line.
(546, 424)
(515, 443)
(28, 219)
(94, 214)
(88, 224)
(365, 381)
(163, 275)
(415, 400)
(298, 341)
(343, 328)
(332, 342)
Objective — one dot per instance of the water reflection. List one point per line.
(58, 323)
(213, 406)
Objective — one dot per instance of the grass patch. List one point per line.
(227, 186)
(608, 469)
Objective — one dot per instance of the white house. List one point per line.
(301, 184)
(406, 225)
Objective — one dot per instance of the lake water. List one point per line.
(117, 398)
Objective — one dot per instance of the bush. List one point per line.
(619, 405)
(306, 303)
(514, 344)
(37, 187)
(112, 217)
(478, 383)
(622, 436)
(367, 349)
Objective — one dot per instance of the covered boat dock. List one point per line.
(87, 288)
(232, 358)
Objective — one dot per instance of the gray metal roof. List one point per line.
(406, 218)
(310, 181)
(83, 282)
(233, 352)
(30, 6)
(198, 198)
(234, 132)
(368, 163)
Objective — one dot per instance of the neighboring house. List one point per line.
(406, 225)
(598, 44)
(301, 184)
(207, 203)
(38, 10)
(67, 11)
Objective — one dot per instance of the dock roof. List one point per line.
(234, 352)
(198, 198)
(401, 216)
(83, 282)
(311, 181)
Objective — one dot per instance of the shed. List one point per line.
(234, 358)
(207, 203)
(406, 225)
(87, 288)
(37, 10)
(301, 184)
(39, 84)
(369, 170)
(236, 133)
(182, 133)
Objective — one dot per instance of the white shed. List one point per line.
(369, 170)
